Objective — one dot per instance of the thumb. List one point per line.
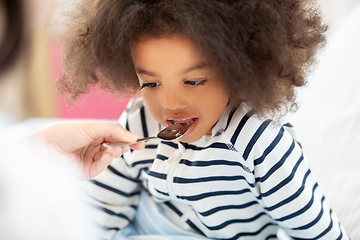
(101, 164)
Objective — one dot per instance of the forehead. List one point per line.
(173, 49)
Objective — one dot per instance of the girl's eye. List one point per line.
(149, 85)
(195, 82)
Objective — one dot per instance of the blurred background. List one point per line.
(26, 85)
(26, 89)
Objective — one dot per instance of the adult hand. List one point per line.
(81, 143)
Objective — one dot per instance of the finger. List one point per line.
(117, 152)
(138, 146)
(101, 164)
(93, 150)
(97, 155)
(102, 147)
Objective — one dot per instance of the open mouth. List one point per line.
(188, 121)
(191, 121)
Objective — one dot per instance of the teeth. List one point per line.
(182, 122)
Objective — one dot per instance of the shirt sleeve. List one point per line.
(289, 192)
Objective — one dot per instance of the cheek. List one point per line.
(223, 95)
(219, 102)
(217, 96)
(153, 104)
(150, 99)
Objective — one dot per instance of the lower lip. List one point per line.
(191, 127)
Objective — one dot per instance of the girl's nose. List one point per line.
(174, 99)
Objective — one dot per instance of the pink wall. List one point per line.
(96, 105)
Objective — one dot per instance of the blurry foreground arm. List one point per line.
(81, 144)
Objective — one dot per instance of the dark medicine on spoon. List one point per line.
(173, 132)
(169, 133)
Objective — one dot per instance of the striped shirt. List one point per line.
(243, 182)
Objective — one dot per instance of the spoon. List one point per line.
(169, 133)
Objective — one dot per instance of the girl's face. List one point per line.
(178, 86)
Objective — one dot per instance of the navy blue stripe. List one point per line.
(127, 112)
(292, 197)
(97, 225)
(216, 145)
(193, 226)
(170, 144)
(162, 157)
(288, 125)
(213, 163)
(172, 207)
(151, 146)
(271, 237)
(232, 221)
(114, 190)
(208, 179)
(209, 163)
(163, 193)
(286, 180)
(127, 126)
(341, 234)
(316, 220)
(231, 114)
(220, 145)
(117, 173)
(302, 210)
(156, 174)
(278, 164)
(146, 161)
(242, 234)
(211, 179)
(143, 122)
(254, 138)
(328, 229)
(108, 211)
(270, 147)
(238, 129)
(227, 207)
(213, 194)
(323, 233)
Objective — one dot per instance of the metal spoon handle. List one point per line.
(115, 145)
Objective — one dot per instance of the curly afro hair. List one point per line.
(261, 49)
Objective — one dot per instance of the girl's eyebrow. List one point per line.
(187, 70)
(140, 71)
(196, 67)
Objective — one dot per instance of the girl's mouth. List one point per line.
(191, 121)
(188, 121)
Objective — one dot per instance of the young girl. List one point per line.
(225, 68)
